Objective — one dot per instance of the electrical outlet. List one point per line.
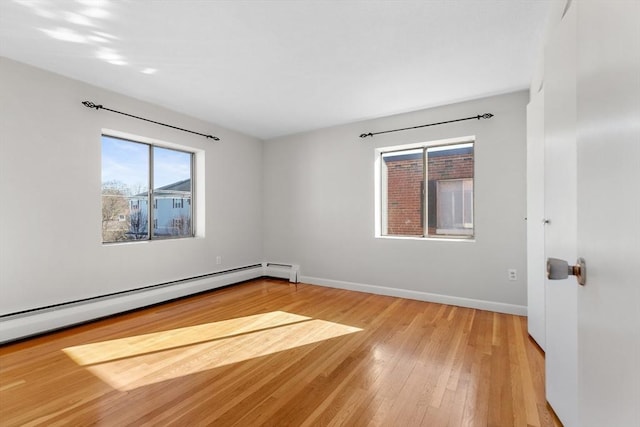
(512, 273)
(218, 260)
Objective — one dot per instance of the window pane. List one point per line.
(468, 203)
(172, 211)
(403, 193)
(125, 177)
(450, 189)
(449, 204)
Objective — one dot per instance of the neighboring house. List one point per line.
(171, 211)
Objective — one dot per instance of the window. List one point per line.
(443, 207)
(137, 175)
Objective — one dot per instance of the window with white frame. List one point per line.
(136, 175)
(426, 190)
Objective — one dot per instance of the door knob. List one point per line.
(559, 269)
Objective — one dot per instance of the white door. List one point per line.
(608, 151)
(560, 205)
(535, 214)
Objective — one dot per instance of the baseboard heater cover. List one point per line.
(282, 271)
(33, 322)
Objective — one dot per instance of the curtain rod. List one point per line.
(90, 104)
(478, 117)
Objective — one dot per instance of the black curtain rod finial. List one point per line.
(364, 135)
(90, 104)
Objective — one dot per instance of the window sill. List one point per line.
(145, 241)
(432, 239)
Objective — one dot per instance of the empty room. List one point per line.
(319, 212)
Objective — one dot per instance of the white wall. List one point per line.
(319, 208)
(316, 191)
(50, 179)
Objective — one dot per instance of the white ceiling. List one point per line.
(276, 67)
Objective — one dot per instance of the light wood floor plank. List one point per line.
(267, 352)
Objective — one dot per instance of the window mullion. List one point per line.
(192, 214)
(151, 197)
(425, 189)
(383, 196)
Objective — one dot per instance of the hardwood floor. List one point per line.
(267, 352)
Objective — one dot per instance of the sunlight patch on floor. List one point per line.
(104, 351)
(132, 362)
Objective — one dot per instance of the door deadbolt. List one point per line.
(559, 269)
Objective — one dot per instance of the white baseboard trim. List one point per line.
(498, 307)
(36, 322)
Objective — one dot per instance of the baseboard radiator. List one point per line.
(282, 271)
(37, 321)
